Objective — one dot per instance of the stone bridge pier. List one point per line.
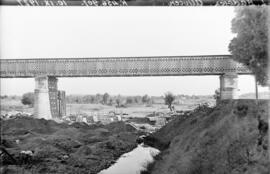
(50, 103)
(229, 86)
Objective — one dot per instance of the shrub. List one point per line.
(28, 99)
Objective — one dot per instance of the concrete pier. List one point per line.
(229, 86)
(42, 108)
(49, 102)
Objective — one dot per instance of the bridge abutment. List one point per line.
(229, 86)
(49, 102)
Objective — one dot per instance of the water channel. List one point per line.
(133, 162)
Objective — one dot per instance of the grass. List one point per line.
(9, 105)
(149, 166)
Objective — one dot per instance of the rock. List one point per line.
(27, 152)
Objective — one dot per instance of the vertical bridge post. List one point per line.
(229, 86)
(49, 102)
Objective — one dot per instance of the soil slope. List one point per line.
(62, 148)
(228, 139)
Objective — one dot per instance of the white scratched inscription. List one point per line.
(234, 2)
(42, 3)
(68, 2)
(185, 3)
(104, 3)
(137, 3)
(218, 3)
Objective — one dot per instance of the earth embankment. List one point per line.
(44, 146)
(228, 139)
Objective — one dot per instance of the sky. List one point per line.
(50, 32)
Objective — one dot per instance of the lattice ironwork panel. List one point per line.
(129, 66)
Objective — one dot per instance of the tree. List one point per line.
(250, 45)
(4, 96)
(130, 100)
(111, 101)
(105, 98)
(138, 99)
(217, 96)
(28, 99)
(169, 98)
(118, 100)
(145, 99)
(98, 98)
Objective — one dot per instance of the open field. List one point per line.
(8, 105)
(131, 111)
(11, 105)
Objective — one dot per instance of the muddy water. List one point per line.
(133, 162)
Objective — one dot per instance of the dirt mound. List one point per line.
(142, 120)
(27, 124)
(118, 127)
(229, 139)
(42, 146)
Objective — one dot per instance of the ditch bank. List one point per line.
(229, 139)
(133, 162)
(31, 145)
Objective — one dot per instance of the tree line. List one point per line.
(108, 99)
(120, 100)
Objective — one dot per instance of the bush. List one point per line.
(28, 99)
(203, 107)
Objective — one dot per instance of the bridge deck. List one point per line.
(123, 66)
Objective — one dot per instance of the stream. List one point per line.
(133, 162)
